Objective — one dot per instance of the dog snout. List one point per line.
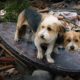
(72, 47)
(42, 36)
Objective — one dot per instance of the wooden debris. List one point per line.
(1, 78)
(10, 71)
(63, 78)
(60, 17)
(44, 10)
(38, 3)
(6, 67)
(68, 78)
(7, 59)
(58, 78)
(78, 17)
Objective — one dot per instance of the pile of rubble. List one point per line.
(10, 68)
(55, 4)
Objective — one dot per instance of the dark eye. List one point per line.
(49, 29)
(42, 26)
(76, 40)
(68, 40)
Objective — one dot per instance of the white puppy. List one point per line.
(47, 32)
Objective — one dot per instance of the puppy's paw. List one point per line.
(50, 60)
(16, 39)
(39, 55)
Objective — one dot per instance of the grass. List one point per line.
(13, 8)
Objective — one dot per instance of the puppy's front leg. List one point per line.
(39, 54)
(16, 37)
(48, 53)
(37, 44)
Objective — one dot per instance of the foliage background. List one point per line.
(13, 8)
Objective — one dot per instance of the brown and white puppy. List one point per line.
(72, 40)
(46, 28)
(47, 33)
(27, 23)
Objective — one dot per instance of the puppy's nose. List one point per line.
(42, 36)
(72, 47)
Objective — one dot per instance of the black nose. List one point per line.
(72, 47)
(42, 36)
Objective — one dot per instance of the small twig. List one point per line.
(7, 59)
(6, 67)
(44, 10)
(1, 52)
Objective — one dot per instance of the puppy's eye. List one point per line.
(68, 40)
(76, 40)
(42, 26)
(49, 29)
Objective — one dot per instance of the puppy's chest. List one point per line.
(43, 41)
(44, 46)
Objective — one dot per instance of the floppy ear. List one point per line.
(61, 29)
(64, 35)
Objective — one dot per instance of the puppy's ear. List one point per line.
(64, 35)
(61, 29)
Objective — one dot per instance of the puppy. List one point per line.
(72, 40)
(47, 32)
(27, 23)
(46, 28)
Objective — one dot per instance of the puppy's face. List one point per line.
(72, 40)
(49, 29)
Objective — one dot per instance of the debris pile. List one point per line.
(10, 69)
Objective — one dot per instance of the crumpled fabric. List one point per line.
(68, 15)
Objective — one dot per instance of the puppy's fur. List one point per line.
(28, 20)
(72, 40)
(47, 33)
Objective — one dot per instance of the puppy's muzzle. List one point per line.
(72, 48)
(42, 37)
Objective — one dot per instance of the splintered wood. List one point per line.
(7, 64)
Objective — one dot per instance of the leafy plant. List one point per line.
(13, 8)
